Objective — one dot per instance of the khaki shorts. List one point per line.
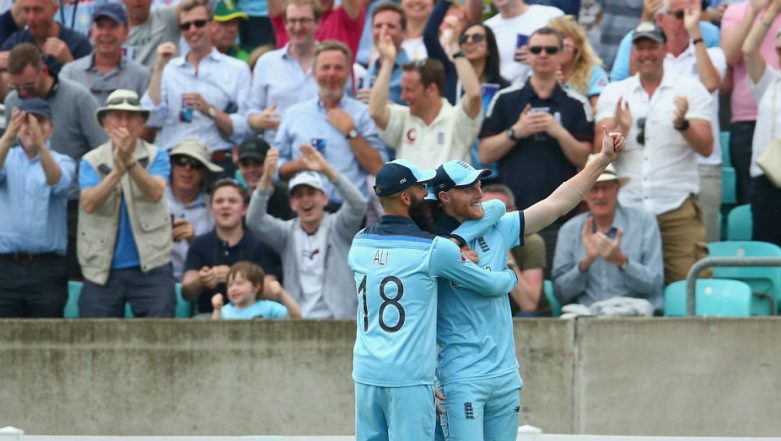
(683, 240)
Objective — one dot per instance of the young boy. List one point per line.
(249, 299)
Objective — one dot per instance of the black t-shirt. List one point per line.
(209, 250)
(536, 165)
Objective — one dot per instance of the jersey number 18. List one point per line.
(386, 302)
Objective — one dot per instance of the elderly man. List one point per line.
(339, 125)
(203, 94)
(610, 251)
(314, 245)
(107, 68)
(124, 241)
(149, 29)
(227, 17)
(666, 119)
(34, 184)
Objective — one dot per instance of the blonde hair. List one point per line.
(584, 59)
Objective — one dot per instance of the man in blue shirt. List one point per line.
(478, 370)
(396, 267)
(34, 184)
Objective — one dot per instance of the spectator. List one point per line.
(609, 251)
(292, 81)
(59, 44)
(539, 132)
(341, 124)
(251, 298)
(252, 153)
(581, 68)
(416, 12)
(517, 18)
(256, 30)
(107, 68)
(34, 184)
(187, 199)
(618, 18)
(124, 241)
(390, 18)
(738, 19)
(148, 30)
(343, 23)
(661, 150)
(211, 255)
(11, 21)
(202, 94)
(429, 130)
(528, 262)
(313, 246)
(764, 196)
(227, 20)
(568, 7)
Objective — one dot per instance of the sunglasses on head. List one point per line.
(476, 38)
(198, 24)
(120, 101)
(550, 50)
(184, 161)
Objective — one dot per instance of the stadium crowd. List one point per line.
(229, 149)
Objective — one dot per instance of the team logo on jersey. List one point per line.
(412, 135)
(469, 412)
(483, 244)
(517, 409)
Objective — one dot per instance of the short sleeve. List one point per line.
(700, 101)
(606, 105)
(275, 310)
(759, 89)
(391, 136)
(494, 121)
(161, 166)
(597, 82)
(511, 226)
(88, 177)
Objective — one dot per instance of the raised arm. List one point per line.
(707, 72)
(446, 261)
(755, 63)
(469, 230)
(731, 37)
(378, 100)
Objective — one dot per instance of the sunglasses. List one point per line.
(550, 50)
(641, 135)
(476, 38)
(678, 14)
(184, 161)
(247, 162)
(198, 24)
(120, 101)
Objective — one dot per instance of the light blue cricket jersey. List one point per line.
(396, 267)
(475, 332)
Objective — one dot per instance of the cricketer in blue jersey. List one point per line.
(396, 267)
(477, 368)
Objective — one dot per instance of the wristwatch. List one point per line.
(684, 126)
(212, 112)
(352, 134)
(511, 134)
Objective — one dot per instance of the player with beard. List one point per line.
(396, 267)
(478, 371)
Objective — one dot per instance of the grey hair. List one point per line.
(501, 189)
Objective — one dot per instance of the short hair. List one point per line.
(333, 45)
(501, 189)
(189, 5)
(431, 71)
(229, 182)
(547, 30)
(24, 54)
(389, 6)
(251, 271)
(317, 8)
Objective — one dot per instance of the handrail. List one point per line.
(708, 262)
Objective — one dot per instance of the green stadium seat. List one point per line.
(725, 159)
(714, 298)
(765, 282)
(184, 309)
(739, 223)
(555, 306)
(72, 306)
(729, 195)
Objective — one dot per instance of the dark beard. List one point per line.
(420, 213)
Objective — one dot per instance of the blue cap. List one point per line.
(399, 175)
(454, 174)
(36, 106)
(114, 11)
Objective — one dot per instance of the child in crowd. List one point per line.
(253, 297)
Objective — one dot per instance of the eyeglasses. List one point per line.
(300, 21)
(641, 135)
(184, 161)
(550, 50)
(677, 13)
(198, 24)
(120, 101)
(249, 162)
(476, 38)
(27, 87)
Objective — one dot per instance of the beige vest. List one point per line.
(150, 221)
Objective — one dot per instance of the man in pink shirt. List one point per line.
(737, 21)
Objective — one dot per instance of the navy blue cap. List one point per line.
(114, 11)
(399, 175)
(36, 106)
(454, 174)
(649, 30)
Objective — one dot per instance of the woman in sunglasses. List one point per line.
(581, 67)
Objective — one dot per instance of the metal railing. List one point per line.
(708, 262)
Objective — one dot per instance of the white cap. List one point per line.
(309, 178)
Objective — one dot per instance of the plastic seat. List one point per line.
(555, 306)
(739, 223)
(725, 159)
(184, 309)
(72, 306)
(714, 298)
(729, 195)
(765, 282)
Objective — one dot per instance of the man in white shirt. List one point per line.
(428, 131)
(666, 120)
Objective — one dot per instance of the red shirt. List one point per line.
(335, 25)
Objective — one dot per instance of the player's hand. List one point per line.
(612, 143)
(438, 398)
(470, 254)
(183, 230)
(207, 278)
(217, 301)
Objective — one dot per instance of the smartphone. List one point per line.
(539, 110)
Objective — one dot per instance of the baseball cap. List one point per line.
(114, 11)
(36, 106)
(398, 175)
(454, 174)
(307, 178)
(196, 149)
(227, 10)
(253, 148)
(650, 30)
